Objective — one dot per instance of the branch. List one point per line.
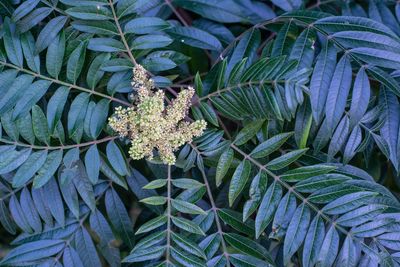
(177, 14)
(63, 147)
(69, 85)
(54, 7)
(320, 3)
(214, 209)
(167, 255)
(121, 33)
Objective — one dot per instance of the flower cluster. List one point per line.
(150, 125)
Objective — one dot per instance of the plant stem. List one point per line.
(63, 147)
(121, 33)
(215, 211)
(167, 252)
(69, 85)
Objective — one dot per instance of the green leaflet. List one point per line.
(248, 246)
(146, 25)
(89, 13)
(75, 62)
(152, 224)
(270, 145)
(187, 225)
(285, 159)
(40, 127)
(234, 219)
(116, 159)
(56, 106)
(55, 55)
(146, 254)
(248, 132)
(48, 169)
(188, 245)
(257, 188)
(209, 114)
(239, 180)
(223, 166)
(155, 184)
(29, 168)
(305, 172)
(156, 200)
(33, 251)
(267, 207)
(296, 232)
(49, 32)
(92, 164)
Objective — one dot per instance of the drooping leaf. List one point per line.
(239, 180)
(339, 89)
(296, 232)
(360, 98)
(196, 38)
(146, 25)
(267, 207)
(285, 159)
(29, 168)
(33, 251)
(49, 32)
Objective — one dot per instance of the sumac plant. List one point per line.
(199, 133)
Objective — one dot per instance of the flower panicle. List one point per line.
(150, 125)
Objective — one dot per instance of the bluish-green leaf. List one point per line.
(12, 43)
(28, 47)
(116, 158)
(338, 91)
(150, 41)
(239, 179)
(40, 126)
(34, 93)
(49, 33)
(95, 73)
(29, 168)
(95, 27)
(286, 159)
(223, 166)
(329, 248)
(75, 62)
(267, 207)
(151, 253)
(195, 37)
(313, 241)
(92, 164)
(55, 55)
(48, 169)
(145, 25)
(296, 232)
(33, 251)
(55, 107)
(14, 92)
(99, 117)
(248, 132)
(89, 12)
(119, 216)
(270, 145)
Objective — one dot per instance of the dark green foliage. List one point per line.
(299, 165)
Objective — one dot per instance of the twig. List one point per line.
(69, 85)
(63, 147)
(121, 33)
